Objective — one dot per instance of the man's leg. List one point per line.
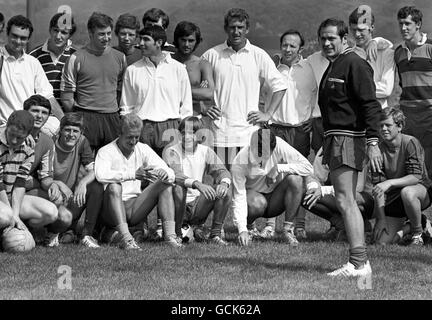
(94, 200)
(220, 211)
(257, 206)
(287, 196)
(415, 198)
(161, 194)
(344, 181)
(114, 216)
(6, 216)
(38, 212)
(179, 196)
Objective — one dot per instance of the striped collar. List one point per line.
(66, 48)
(420, 43)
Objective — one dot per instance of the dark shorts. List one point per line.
(190, 209)
(100, 128)
(227, 154)
(129, 204)
(295, 136)
(396, 208)
(317, 134)
(152, 134)
(344, 151)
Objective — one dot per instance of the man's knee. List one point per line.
(164, 190)
(64, 217)
(294, 182)
(409, 194)
(95, 188)
(114, 190)
(6, 217)
(257, 204)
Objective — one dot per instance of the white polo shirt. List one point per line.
(299, 100)
(157, 93)
(238, 77)
(319, 64)
(246, 175)
(20, 79)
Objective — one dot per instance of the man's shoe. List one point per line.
(416, 240)
(89, 242)
(289, 237)
(129, 244)
(218, 240)
(68, 237)
(174, 241)
(300, 234)
(51, 240)
(267, 233)
(348, 270)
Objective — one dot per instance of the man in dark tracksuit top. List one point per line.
(350, 114)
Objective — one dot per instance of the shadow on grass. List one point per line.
(248, 262)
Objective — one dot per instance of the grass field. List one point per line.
(262, 271)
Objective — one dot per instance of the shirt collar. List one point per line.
(166, 58)
(300, 63)
(8, 55)
(247, 47)
(420, 43)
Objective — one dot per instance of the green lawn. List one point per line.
(265, 270)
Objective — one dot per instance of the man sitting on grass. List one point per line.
(72, 150)
(121, 166)
(16, 159)
(267, 180)
(404, 189)
(190, 161)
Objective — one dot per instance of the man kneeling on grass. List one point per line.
(267, 180)
(404, 189)
(16, 158)
(190, 161)
(121, 166)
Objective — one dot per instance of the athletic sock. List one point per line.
(159, 224)
(289, 226)
(271, 222)
(168, 228)
(358, 256)
(216, 229)
(300, 223)
(124, 231)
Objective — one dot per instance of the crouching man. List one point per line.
(121, 166)
(267, 180)
(194, 198)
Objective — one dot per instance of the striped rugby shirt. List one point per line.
(415, 73)
(14, 164)
(52, 66)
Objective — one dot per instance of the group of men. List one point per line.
(120, 131)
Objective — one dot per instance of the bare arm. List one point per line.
(204, 92)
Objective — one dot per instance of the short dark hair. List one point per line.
(236, 13)
(153, 15)
(1, 18)
(37, 100)
(127, 20)
(356, 15)
(186, 28)
(342, 28)
(22, 119)
(264, 137)
(156, 32)
(295, 32)
(19, 21)
(72, 119)
(99, 20)
(412, 11)
(191, 122)
(395, 113)
(54, 23)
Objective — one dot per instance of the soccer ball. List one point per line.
(187, 233)
(16, 240)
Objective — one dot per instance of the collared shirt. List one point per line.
(247, 176)
(20, 79)
(384, 70)
(15, 164)
(157, 93)
(299, 99)
(42, 166)
(111, 166)
(238, 77)
(53, 64)
(415, 71)
(319, 64)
